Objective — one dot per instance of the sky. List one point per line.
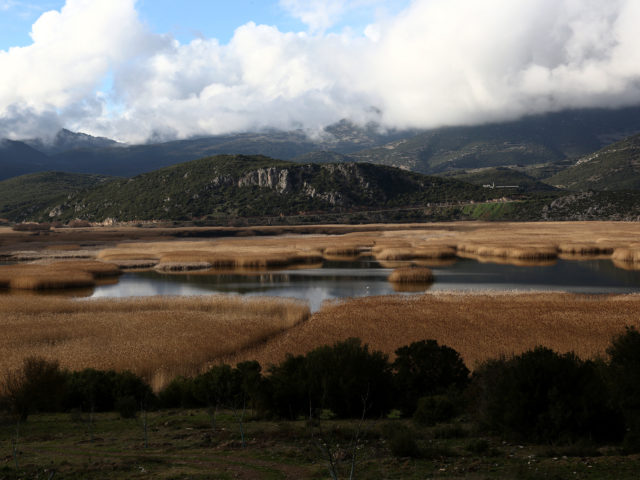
(150, 70)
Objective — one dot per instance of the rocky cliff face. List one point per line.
(274, 177)
(301, 179)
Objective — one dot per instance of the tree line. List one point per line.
(539, 395)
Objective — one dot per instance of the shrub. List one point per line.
(99, 390)
(90, 390)
(128, 384)
(179, 393)
(287, 393)
(624, 376)
(39, 385)
(425, 368)
(544, 396)
(347, 379)
(232, 387)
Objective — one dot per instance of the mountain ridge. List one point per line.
(245, 186)
(550, 140)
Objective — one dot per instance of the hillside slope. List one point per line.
(500, 177)
(616, 167)
(18, 158)
(539, 139)
(237, 185)
(27, 195)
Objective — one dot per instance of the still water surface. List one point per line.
(366, 277)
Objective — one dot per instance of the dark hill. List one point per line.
(245, 186)
(616, 167)
(539, 139)
(18, 158)
(25, 196)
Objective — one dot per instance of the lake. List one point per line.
(366, 277)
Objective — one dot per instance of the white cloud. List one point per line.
(438, 62)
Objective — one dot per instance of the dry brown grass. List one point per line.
(232, 253)
(345, 251)
(493, 241)
(415, 253)
(529, 252)
(411, 274)
(584, 249)
(158, 337)
(56, 275)
(479, 326)
(518, 262)
(631, 255)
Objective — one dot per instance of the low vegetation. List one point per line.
(56, 275)
(480, 326)
(412, 274)
(157, 338)
(537, 413)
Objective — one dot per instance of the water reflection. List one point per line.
(366, 277)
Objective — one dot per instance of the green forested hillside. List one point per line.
(237, 185)
(27, 195)
(616, 167)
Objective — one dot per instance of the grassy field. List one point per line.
(182, 445)
(157, 338)
(479, 326)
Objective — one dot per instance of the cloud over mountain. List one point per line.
(438, 62)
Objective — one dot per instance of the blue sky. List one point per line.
(187, 19)
(138, 69)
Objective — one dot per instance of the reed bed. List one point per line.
(629, 255)
(530, 252)
(158, 337)
(57, 275)
(350, 251)
(421, 253)
(241, 253)
(518, 262)
(411, 274)
(577, 249)
(479, 326)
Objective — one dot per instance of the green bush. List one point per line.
(179, 393)
(348, 379)
(90, 390)
(624, 376)
(287, 393)
(38, 386)
(544, 396)
(424, 369)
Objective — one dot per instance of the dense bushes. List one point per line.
(539, 395)
(42, 386)
(426, 369)
(544, 396)
(38, 386)
(345, 378)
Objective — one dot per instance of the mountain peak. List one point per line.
(67, 140)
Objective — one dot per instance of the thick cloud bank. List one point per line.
(438, 62)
